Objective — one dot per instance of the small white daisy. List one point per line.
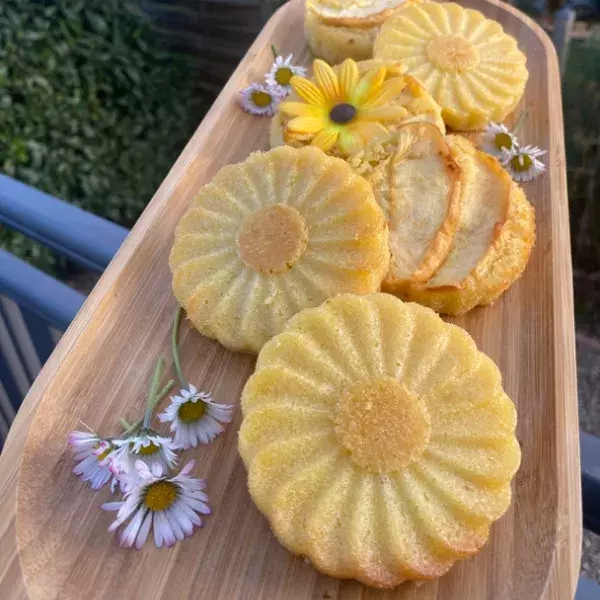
(524, 163)
(146, 446)
(169, 505)
(91, 453)
(498, 141)
(282, 71)
(261, 100)
(195, 417)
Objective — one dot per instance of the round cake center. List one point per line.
(453, 53)
(272, 239)
(383, 426)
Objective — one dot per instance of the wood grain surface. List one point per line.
(102, 366)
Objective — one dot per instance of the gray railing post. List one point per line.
(564, 20)
(84, 238)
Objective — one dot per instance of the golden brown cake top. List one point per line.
(356, 13)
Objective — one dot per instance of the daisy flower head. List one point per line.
(145, 446)
(195, 417)
(170, 506)
(282, 70)
(261, 100)
(91, 454)
(524, 163)
(498, 141)
(342, 113)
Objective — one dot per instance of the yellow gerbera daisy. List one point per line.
(346, 112)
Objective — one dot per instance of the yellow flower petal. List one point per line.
(388, 91)
(350, 142)
(370, 130)
(395, 70)
(325, 139)
(368, 85)
(348, 78)
(307, 90)
(326, 80)
(290, 138)
(306, 125)
(383, 113)
(299, 109)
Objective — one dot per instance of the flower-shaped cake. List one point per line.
(280, 232)
(472, 68)
(378, 440)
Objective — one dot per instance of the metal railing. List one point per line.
(35, 308)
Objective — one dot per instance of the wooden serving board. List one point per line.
(102, 367)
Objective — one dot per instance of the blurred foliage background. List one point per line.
(581, 106)
(93, 109)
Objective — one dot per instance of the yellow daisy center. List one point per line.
(104, 454)
(160, 495)
(383, 426)
(150, 449)
(272, 239)
(521, 163)
(342, 113)
(283, 75)
(453, 53)
(191, 411)
(262, 99)
(503, 140)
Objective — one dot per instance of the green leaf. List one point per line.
(97, 22)
(92, 109)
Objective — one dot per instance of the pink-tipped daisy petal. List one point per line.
(195, 418)
(282, 70)
(498, 141)
(169, 506)
(90, 452)
(260, 100)
(524, 164)
(144, 530)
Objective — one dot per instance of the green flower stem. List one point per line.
(175, 347)
(275, 53)
(132, 428)
(150, 403)
(522, 117)
(164, 392)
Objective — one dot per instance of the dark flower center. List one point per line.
(160, 495)
(521, 163)
(342, 113)
(261, 99)
(191, 411)
(104, 454)
(283, 75)
(503, 140)
(150, 449)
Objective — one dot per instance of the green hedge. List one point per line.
(92, 109)
(581, 102)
